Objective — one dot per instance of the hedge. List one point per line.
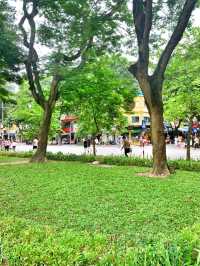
(111, 160)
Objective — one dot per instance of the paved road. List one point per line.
(173, 152)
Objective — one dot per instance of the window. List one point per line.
(146, 119)
(135, 119)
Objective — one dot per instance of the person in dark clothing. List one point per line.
(126, 146)
(85, 145)
(88, 145)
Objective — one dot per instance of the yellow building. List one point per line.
(139, 116)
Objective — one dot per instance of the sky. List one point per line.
(196, 15)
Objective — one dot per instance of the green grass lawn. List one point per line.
(113, 201)
(4, 159)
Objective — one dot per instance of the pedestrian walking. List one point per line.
(88, 146)
(85, 145)
(13, 144)
(35, 144)
(126, 146)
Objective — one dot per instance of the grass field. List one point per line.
(110, 200)
(4, 159)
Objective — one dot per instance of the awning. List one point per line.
(68, 118)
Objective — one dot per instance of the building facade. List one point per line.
(138, 118)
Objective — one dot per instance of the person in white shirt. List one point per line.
(35, 144)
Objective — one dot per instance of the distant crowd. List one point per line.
(181, 140)
(7, 144)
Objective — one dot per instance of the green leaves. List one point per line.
(98, 93)
(28, 114)
(10, 55)
(68, 25)
(182, 90)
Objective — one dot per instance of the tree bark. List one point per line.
(152, 85)
(152, 89)
(40, 155)
(176, 132)
(94, 146)
(188, 151)
(160, 167)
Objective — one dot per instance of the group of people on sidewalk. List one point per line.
(8, 144)
(126, 146)
(180, 141)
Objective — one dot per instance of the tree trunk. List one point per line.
(176, 132)
(40, 155)
(94, 146)
(188, 157)
(152, 89)
(153, 98)
(160, 167)
(188, 153)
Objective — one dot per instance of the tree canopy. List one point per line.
(10, 55)
(70, 29)
(98, 94)
(27, 114)
(182, 84)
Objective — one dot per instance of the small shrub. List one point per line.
(70, 157)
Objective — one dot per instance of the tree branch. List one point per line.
(81, 52)
(113, 9)
(31, 62)
(133, 69)
(147, 30)
(139, 19)
(94, 117)
(54, 90)
(142, 13)
(175, 38)
(86, 46)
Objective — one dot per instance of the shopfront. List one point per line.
(68, 129)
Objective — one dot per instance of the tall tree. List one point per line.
(70, 29)
(146, 17)
(99, 94)
(182, 84)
